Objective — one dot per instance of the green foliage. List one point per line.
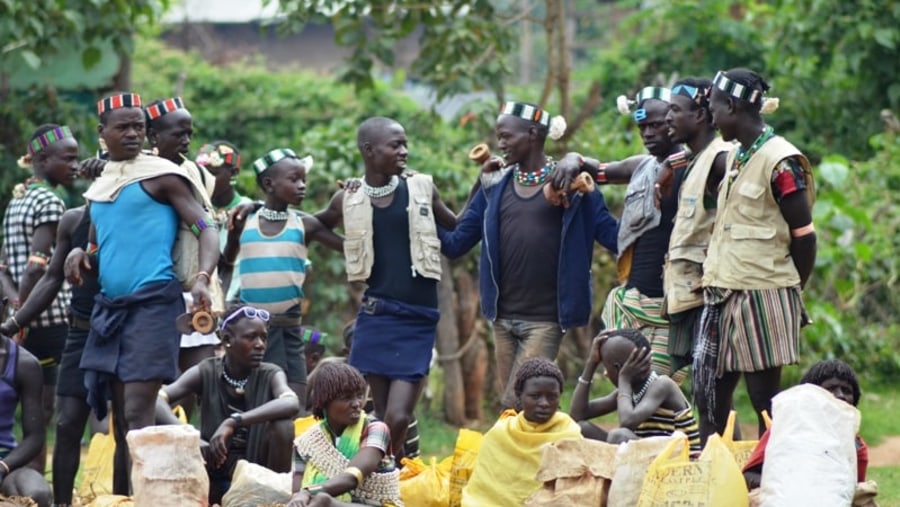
(835, 64)
(32, 30)
(852, 296)
(461, 46)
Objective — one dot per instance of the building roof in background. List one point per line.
(219, 11)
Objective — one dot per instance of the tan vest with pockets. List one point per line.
(683, 272)
(424, 245)
(750, 245)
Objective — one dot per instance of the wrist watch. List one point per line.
(238, 419)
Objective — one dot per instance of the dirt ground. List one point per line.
(887, 453)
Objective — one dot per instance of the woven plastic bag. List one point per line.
(468, 443)
(574, 472)
(253, 485)
(632, 461)
(713, 479)
(811, 454)
(167, 467)
(429, 487)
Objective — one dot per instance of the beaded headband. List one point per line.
(163, 107)
(555, 124)
(527, 112)
(215, 156)
(624, 104)
(312, 336)
(737, 90)
(47, 138)
(277, 155)
(117, 101)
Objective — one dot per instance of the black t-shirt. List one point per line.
(392, 276)
(650, 249)
(530, 237)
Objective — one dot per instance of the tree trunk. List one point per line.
(448, 343)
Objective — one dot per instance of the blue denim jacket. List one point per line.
(586, 220)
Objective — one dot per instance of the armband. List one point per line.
(200, 226)
(600, 177)
(803, 231)
(163, 396)
(92, 248)
(678, 160)
(357, 473)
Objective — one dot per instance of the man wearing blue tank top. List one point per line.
(136, 206)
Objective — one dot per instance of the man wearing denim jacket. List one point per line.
(529, 304)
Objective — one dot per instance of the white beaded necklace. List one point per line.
(238, 385)
(384, 191)
(272, 215)
(637, 397)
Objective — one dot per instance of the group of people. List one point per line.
(713, 247)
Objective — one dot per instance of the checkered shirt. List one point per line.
(37, 207)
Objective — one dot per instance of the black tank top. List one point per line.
(392, 275)
(83, 296)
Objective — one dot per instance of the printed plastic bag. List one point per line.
(428, 488)
(811, 454)
(714, 479)
(632, 461)
(740, 449)
(468, 443)
(574, 472)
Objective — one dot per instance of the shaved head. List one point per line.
(373, 129)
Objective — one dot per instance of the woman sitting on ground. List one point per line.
(246, 406)
(345, 457)
(510, 453)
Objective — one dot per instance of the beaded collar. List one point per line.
(274, 216)
(383, 191)
(533, 179)
(638, 396)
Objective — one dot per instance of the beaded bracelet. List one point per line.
(200, 226)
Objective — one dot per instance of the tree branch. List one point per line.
(593, 101)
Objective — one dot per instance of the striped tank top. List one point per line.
(273, 268)
(664, 422)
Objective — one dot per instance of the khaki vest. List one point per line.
(424, 245)
(683, 273)
(750, 245)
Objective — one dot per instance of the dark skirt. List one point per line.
(393, 339)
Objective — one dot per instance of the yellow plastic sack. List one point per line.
(301, 424)
(112, 501)
(468, 443)
(714, 479)
(428, 488)
(740, 449)
(97, 468)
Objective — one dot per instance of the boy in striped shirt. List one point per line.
(272, 243)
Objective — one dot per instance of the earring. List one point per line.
(155, 151)
(227, 345)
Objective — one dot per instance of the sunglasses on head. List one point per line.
(247, 311)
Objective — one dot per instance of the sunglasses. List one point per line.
(246, 311)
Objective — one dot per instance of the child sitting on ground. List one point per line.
(836, 377)
(272, 243)
(648, 404)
